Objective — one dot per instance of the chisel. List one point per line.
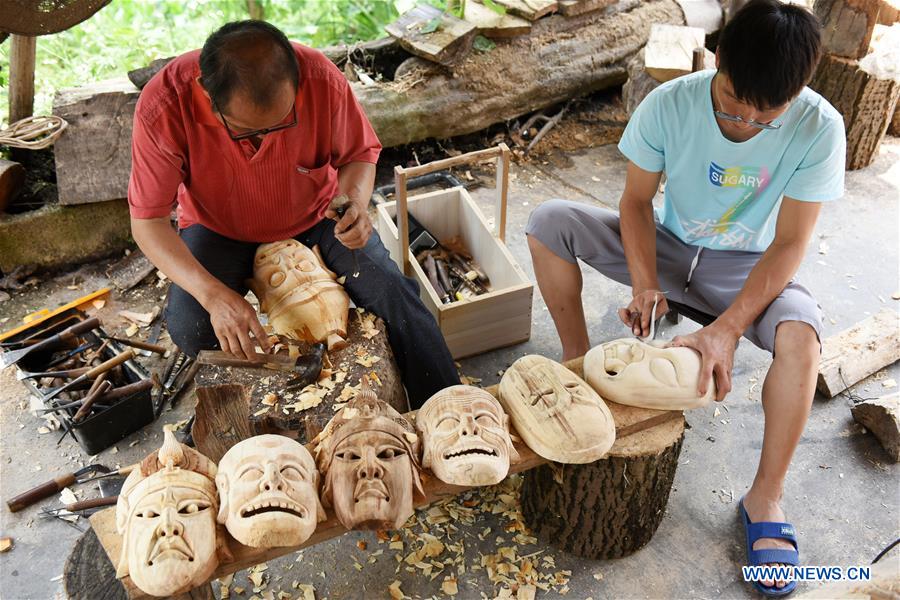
(116, 360)
(68, 334)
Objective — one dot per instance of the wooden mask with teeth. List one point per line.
(465, 436)
(369, 456)
(300, 295)
(166, 513)
(268, 488)
(629, 371)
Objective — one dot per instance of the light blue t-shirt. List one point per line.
(725, 195)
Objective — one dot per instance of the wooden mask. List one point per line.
(166, 514)
(369, 456)
(301, 296)
(465, 436)
(268, 489)
(629, 371)
(557, 413)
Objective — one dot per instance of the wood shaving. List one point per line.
(306, 401)
(449, 586)
(270, 399)
(395, 592)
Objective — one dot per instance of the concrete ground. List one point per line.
(842, 493)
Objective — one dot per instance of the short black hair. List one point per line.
(770, 50)
(252, 57)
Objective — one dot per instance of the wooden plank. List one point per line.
(492, 24)
(21, 76)
(669, 51)
(629, 422)
(573, 8)
(93, 157)
(447, 44)
(529, 9)
(859, 351)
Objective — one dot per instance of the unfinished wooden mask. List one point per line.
(301, 296)
(268, 489)
(465, 437)
(629, 371)
(166, 514)
(557, 413)
(369, 456)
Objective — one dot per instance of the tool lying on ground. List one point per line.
(340, 205)
(103, 367)
(54, 486)
(66, 335)
(81, 505)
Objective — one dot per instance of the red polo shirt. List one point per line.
(182, 154)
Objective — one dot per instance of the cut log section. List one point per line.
(705, 14)
(434, 35)
(670, 49)
(93, 157)
(859, 351)
(847, 25)
(882, 418)
(866, 100)
(492, 24)
(573, 8)
(12, 178)
(529, 9)
(609, 508)
(639, 84)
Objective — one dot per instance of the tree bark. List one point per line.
(847, 24)
(866, 101)
(88, 573)
(609, 508)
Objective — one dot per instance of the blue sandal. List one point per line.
(767, 529)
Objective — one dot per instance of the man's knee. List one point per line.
(188, 323)
(546, 219)
(798, 338)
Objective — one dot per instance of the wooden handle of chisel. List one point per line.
(66, 334)
(89, 400)
(115, 361)
(36, 494)
(140, 345)
(92, 503)
(126, 390)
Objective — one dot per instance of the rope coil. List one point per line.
(33, 133)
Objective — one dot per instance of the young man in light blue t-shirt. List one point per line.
(749, 155)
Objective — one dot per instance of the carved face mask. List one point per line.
(465, 435)
(268, 489)
(369, 456)
(166, 515)
(301, 296)
(632, 372)
(556, 412)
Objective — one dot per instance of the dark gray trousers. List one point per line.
(419, 348)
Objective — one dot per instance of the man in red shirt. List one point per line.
(252, 137)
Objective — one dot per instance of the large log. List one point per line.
(93, 156)
(12, 178)
(560, 58)
(881, 416)
(609, 508)
(865, 97)
(847, 24)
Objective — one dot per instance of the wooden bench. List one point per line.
(573, 506)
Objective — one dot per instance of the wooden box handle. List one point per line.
(401, 175)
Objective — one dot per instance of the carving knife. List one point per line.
(116, 360)
(67, 334)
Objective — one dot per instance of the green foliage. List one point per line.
(497, 8)
(432, 25)
(128, 34)
(482, 44)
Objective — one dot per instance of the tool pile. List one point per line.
(452, 273)
(89, 379)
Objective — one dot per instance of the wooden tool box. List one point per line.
(501, 317)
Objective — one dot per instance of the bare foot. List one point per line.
(761, 509)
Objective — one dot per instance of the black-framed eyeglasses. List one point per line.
(243, 136)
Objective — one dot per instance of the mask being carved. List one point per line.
(369, 456)
(629, 371)
(166, 514)
(268, 488)
(300, 295)
(465, 436)
(556, 412)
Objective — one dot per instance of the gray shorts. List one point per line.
(573, 230)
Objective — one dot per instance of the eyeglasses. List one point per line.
(264, 131)
(750, 122)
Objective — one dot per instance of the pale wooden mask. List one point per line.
(369, 456)
(557, 413)
(301, 296)
(268, 489)
(166, 513)
(465, 436)
(629, 371)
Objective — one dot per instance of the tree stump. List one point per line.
(88, 573)
(609, 508)
(234, 403)
(865, 99)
